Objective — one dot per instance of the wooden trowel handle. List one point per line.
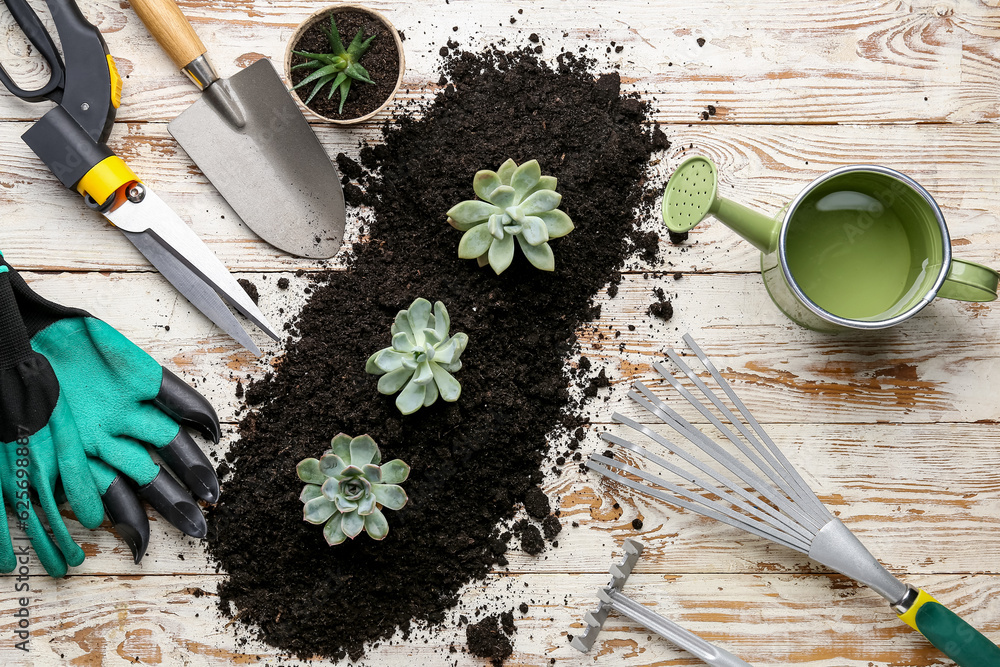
(166, 22)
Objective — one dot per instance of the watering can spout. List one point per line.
(692, 194)
(755, 227)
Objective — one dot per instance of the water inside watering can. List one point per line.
(857, 256)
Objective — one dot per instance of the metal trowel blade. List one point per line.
(249, 138)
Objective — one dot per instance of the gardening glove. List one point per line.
(116, 398)
(34, 419)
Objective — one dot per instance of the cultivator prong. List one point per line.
(619, 575)
(613, 599)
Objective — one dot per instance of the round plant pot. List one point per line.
(388, 36)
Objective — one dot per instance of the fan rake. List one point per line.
(753, 487)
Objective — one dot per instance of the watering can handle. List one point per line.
(950, 634)
(968, 281)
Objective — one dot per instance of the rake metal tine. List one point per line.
(710, 447)
(715, 509)
(697, 504)
(620, 571)
(771, 468)
(753, 505)
(595, 623)
(808, 494)
(789, 485)
(749, 508)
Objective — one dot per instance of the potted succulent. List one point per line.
(345, 63)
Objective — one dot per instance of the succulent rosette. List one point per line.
(346, 489)
(515, 202)
(422, 358)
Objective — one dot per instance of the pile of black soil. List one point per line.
(474, 462)
(381, 60)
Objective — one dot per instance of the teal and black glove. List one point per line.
(35, 419)
(93, 401)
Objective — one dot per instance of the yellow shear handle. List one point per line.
(104, 179)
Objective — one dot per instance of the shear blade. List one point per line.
(192, 287)
(166, 234)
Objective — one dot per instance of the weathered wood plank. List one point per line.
(769, 62)
(47, 227)
(774, 620)
(940, 366)
(924, 498)
(927, 369)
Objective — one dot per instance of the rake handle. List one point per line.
(710, 654)
(950, 634)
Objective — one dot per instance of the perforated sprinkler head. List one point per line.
(691, 194)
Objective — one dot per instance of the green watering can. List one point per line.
(861, 247)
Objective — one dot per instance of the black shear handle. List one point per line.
(39, 37)
(84, 84)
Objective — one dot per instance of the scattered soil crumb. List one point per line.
(349, 168)
(536, 503)
(531, 540)
(551, 526)
(662, 309)
(486, 641)
(250, 289)
(601, 381)
(507, 622)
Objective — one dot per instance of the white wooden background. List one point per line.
(896, 431)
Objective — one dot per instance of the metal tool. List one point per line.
(247, 135)
(612, 599)
(757, 490)
(71, 140)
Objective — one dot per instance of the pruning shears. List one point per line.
(71, 139)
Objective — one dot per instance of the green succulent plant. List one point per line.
(421, 359)
(339, 68)
(346, 488)
(514, 202)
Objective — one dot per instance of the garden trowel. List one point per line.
(249, 138)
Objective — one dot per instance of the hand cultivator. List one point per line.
(612, 599)
(757, 490)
